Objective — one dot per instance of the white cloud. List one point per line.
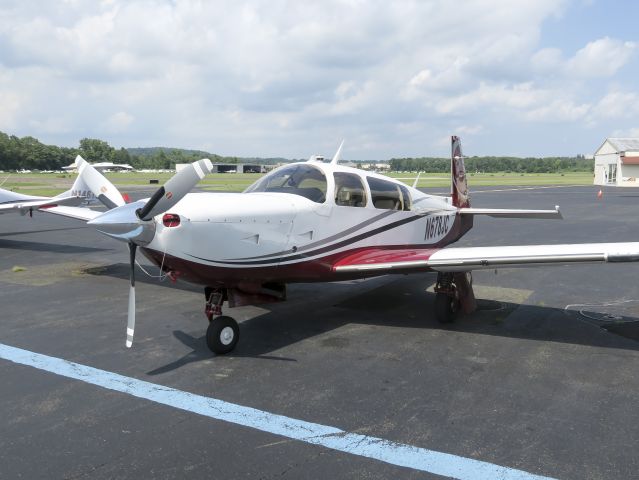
(547, 60)
(559, 110)
(256, 78)
(494, 96)
(469, 129)
(421, 78)
(118, 122)
(601, 58)
(11, 103)
(626, 133)
(617, 104)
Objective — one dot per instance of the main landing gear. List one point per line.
(223, 332)
(453, 293)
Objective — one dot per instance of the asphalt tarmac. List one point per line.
(543, 378)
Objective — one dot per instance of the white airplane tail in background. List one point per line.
(92, 185)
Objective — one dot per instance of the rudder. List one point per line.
(459, 185)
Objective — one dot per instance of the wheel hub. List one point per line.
(226, 335)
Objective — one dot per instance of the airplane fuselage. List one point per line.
(266, 236)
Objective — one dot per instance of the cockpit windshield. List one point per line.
(304, 180)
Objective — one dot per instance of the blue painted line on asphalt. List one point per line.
(394, 453)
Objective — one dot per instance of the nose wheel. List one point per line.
(223, 332)
(222, 335)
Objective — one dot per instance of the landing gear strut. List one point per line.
(453, 292)
(223, 332)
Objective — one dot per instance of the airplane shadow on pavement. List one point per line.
(400, 302)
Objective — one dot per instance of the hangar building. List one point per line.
(617, 162)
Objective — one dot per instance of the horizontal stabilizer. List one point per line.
(513, 213)
(71, 201)
(79, 213)
(29, 205)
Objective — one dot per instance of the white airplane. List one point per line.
(102, 166)
(18, 202)
(313, 222)
(79, 193)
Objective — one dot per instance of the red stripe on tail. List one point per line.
(459, 190)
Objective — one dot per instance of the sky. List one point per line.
(291, 79)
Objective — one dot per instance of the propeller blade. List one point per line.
(175, 188)
(130, 326)
(90, 179)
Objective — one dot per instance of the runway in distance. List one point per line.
(312, 222)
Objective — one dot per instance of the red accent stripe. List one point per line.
(374, 256)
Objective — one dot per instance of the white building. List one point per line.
(617, 162)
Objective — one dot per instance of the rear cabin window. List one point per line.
(349, 190)
(388, 195)
(304, 180)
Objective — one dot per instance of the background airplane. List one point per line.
(313, 222)
(23, 204)
(79, 193)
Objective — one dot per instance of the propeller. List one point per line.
(134, 224)
(172, 191)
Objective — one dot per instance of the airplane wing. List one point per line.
(79, 213)
(462, 259)
(26, 205)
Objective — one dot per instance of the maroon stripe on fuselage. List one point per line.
(307, 270)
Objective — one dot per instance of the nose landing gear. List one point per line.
(223, 332)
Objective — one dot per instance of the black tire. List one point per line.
(445, 308)
(222, 335)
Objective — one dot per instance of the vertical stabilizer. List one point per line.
(92, 185)
(459, 186)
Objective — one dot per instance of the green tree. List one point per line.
(94, 150)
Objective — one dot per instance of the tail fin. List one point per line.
(79, 189)
(459, 186)
(92, 185)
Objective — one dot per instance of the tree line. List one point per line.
(496, 164)
(31, 154)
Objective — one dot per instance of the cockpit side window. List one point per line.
(349, 190)
(388, 195)
(304, 180)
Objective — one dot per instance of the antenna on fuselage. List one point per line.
(416, 180)
(337, 154)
